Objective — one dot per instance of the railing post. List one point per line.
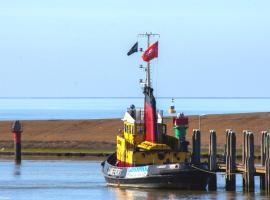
(212, 184)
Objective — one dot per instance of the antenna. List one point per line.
(148, 67)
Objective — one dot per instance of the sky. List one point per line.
(77, 48)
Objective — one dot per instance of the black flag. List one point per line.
(133, 49)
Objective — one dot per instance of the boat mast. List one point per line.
(150, 115)
(148, 69)
(148, 66)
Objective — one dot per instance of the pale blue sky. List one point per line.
(78, 48)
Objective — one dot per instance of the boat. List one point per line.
(146, 155)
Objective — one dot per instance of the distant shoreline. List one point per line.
(100, 134)
(84, 108)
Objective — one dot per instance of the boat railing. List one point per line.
(139, 115)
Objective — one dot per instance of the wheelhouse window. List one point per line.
(140, 129)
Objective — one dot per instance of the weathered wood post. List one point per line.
(244, 157)
(251, 162)
(230, 160)
(17, 129)
(196, 147)
(225, 145)
(267, 176)
(249, 168)
(267, 163)
(212, 184)
(263, 157)
(243, 147)
(263, 147)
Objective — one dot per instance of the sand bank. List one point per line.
(100, 134)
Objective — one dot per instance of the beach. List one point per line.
(100, 134)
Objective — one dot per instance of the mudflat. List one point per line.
(100, 134)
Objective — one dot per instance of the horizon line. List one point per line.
(165, 97)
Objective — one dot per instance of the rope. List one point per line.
(203, 170)
(207, 171)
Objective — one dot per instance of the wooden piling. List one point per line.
(248, 168)
(267, 163)
(212, 184)
(17, 129)
(243, 147)
(263, 157)
(267, 176)
(249, 163)
(263, 147)
(196, 146)
(230, 161)
(193, 146)
(244, 157)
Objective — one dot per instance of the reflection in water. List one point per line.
(154, 194)
(74, 179)
(17, 169)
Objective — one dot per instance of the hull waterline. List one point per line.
(180, 176)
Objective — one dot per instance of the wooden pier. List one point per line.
(229, 165)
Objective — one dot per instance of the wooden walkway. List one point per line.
(239, 168)
(246, 167)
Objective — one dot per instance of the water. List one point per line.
(47, 179)
(98, 108)
(77, 179)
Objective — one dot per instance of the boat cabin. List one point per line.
(134, 150)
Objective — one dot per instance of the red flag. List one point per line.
(151, 52)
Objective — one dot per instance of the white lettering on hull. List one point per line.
(137, 172)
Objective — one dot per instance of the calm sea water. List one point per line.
(95, 108)
(47, 179)
(75, 179)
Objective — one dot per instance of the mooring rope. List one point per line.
(221, 173)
